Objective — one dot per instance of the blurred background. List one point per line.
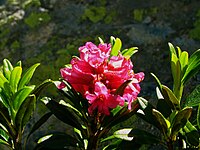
(50, 32)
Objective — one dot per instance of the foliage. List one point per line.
(17, 101)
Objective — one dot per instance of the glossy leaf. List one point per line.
(180, 120)
(123, 134)
(21, 95)
(127, 53)
(3, 135)
(194, 98)
(144, 137)
(112, 40)
(39, 123)
(184, 62)
(7, 68)
(25, 111)
(100, 40)
(27, 76)
(170, 98)
(37, 91)
(164, 124)
(15, 78)
(164, 108)
(146, 112)
(191, 134)
(3, 80)
(172, 49)
(56, 141)
(116, 47)
(158, 81)
(193, 66)
(62, 113)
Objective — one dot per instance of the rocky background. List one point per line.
(50, 32)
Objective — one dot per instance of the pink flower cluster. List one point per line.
(97, 75)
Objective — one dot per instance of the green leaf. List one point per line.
(146, 112)
(116, 47)
(184, 62)
(5, 143)
(3, 80)
(164, 108)
(170, 98)
(39, 123)
(113, 145)
(4, 134)
(25, 111)
(198, 117)
(180, 120)
(27, 76)
(194, 98)
(191, 134)
(193, 66)
(100, 40)
(21, 95)
(123, 134)
(7, 68)
(158, 81)
(62, 113)
(172, 49)
(127, 53)
(164, 124)
(144, 137)
(15, 78)
(112, 40)
(57, 141)
(37, 91)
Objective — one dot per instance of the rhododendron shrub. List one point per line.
(97, 75)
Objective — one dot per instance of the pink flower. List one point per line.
(95, 56)
(101, 99)
(79, 75)
(97, 75)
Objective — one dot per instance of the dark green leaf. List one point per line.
(194, 98)
(146, 112)
(27, 76)
(25, 111)
(158, 81)
(193, 66)
(15, 78)
(164, 124)
(113, 145)
(192, 134)
(164, 108)
(170, 98)
(4, 134)
(62, 113)
(180, 120)
(57, 141)
(144, 137)
(39, 123)
(37, 91)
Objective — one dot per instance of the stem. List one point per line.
(170, 145)
(93, 143)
